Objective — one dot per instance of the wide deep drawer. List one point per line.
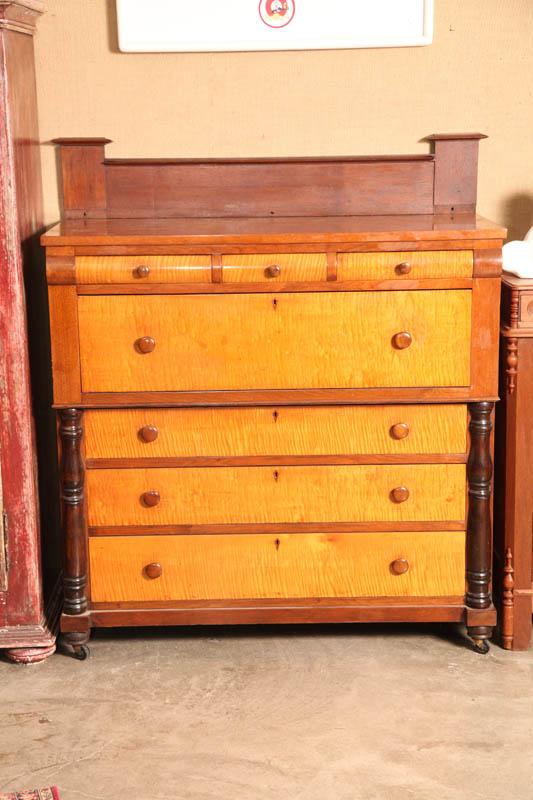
(266, 341)
(405, 265)
(281, 431)
(143, 269)
(274, 267)
(285, 494)
(277, 566)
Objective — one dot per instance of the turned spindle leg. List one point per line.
(479, 533)
(74, 528)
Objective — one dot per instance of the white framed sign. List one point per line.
(226, 25)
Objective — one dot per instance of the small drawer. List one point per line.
(274, 268)
(281, 431)
(414, 265)
(143, 269)
(287, 340)
(284, 494)
(243, 566)
(525, 319)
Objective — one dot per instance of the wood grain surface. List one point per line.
(384, 229)
(226, 495)
(282, 431)
(423, 264)
(292, 267)
(314, 340)
(277, 566)
(123, 269)
(64, 335)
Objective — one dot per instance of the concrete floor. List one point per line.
(329, 713)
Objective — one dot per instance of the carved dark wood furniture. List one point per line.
(275, 381)
(514, 484)
(29, 585)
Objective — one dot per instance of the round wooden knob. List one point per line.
(399, 566)
(142, 271)
(273, 271)
(153, 570)
(402, 340)
(400, 430)
(400, 494)
(151, 498)
(404, 268)
(145, 344)
(148, 433)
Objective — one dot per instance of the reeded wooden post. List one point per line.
(479, 533)
(72, 498)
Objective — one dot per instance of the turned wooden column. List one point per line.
(73, 506)
(479, 529)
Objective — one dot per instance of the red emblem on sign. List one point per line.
(277, 13)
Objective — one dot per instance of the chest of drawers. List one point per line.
(275, 384)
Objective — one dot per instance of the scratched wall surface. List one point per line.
(476, 76)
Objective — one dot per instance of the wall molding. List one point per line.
(20, 15)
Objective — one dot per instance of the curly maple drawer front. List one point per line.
(288, 494)
(282, 431)
(407, 265)
(151, 568)
(143, 269)
(272, 268)
(266, 341)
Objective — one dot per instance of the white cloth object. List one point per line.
(518, 257)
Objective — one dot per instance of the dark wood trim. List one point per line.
(315, 245)
(456, 159)
(81, 141)
(293, 602)
(514, 498)
(216, 268)
(277, 527)
(60, 269)
(487, 263)
(141, 162)
(436, 137)
(196, 236)
(269, 615)
(479, 528)
(267, 288)
(511, 360)
(83, 177)
(257, 461)
(508, 601)
(475, 617)
(274, 397)
(332, 266)
(96, 187)
(72, 476)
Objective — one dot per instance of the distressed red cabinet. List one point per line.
(29, 598)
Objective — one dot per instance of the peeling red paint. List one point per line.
(23, 604)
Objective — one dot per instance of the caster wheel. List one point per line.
(480, 646)
(82, 652)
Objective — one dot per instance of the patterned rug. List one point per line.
(50, 793)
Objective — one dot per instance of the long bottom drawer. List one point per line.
(241, 566)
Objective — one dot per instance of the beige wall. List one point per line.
(476, 76)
